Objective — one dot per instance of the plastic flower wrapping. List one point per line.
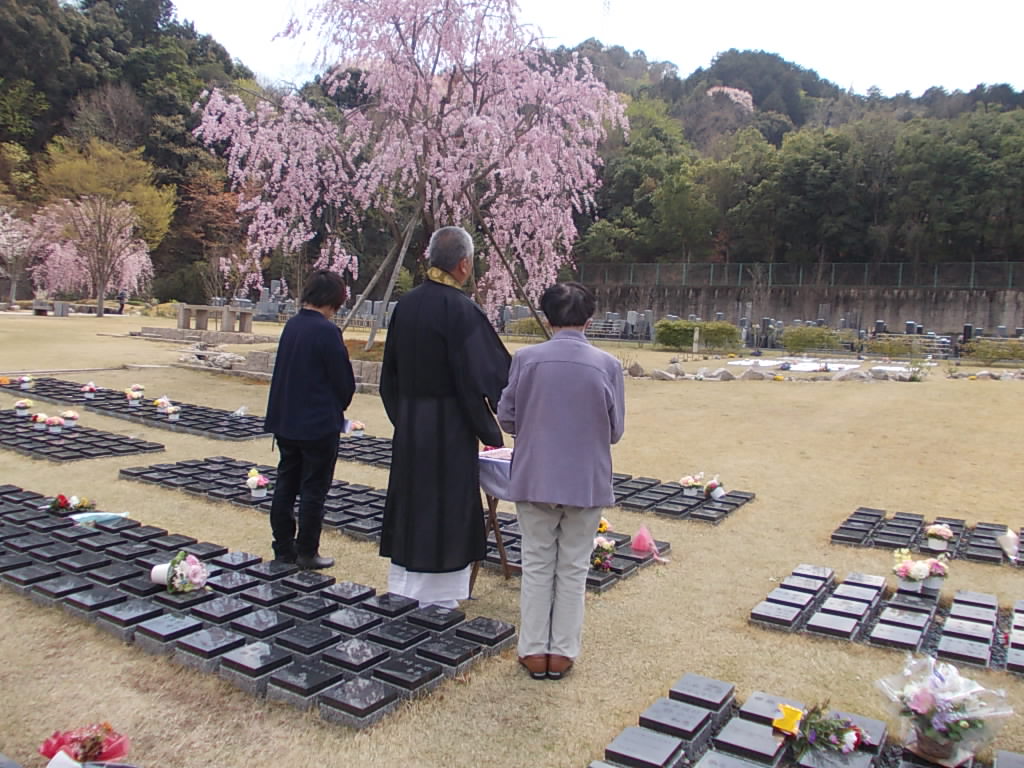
(936, 704)
(939, 531)
(72, 415)
(90, 387)
(134, 394)
(256, 480)
(23, 404)
(162, 402)
(93, 743)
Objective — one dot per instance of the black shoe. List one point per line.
(290, 559)
(314, 563)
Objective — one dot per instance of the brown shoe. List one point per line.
(558, 666)
(536, 664)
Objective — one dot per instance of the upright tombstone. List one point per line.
(820, 322)
(797, 323)
(842, 323)
(672, 318)
(879, 326)
(719, 317)
(766, 325)
(910, 327)
(968, 332)
(1001, 331)
(920, 329)
(691, 317)
(649, 315)
(744, 322)
(631, 320)
(275, 287)
(979, 331)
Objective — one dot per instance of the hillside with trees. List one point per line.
(752, 158)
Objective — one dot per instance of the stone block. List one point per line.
(643, 748)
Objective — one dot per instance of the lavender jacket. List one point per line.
(565, 404)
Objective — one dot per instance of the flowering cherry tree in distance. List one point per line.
(15, 248)
(91, 244)
(467, 120)
(241, 273)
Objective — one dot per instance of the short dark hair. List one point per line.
(324, 289)
(448, 246)
(568, 304)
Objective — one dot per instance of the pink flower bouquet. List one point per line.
(185, 573)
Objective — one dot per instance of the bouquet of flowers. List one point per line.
(25, 382)
(93, 743)
(39, 419)
(604, 526)
(137, 388)
(908, 569)
(255, 480)
(173, 412)
(185, 573)
(134, 395)
(939, 531)
(89, 388)
(816, 728)
(21, 407)
(601, 557)
(71, 504)
(69, 415)
(714, 489)
(938, 566)
(162, 403)
(942, 712)
(692, 481)
(55, 423)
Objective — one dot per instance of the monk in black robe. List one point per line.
(444, 370)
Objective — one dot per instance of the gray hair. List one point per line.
(448, 246)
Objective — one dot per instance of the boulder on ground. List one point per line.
(854, 374)
(878, 373)
(722, 374)
(660, 375)
(752, 374)
(635, 370)
(676, 370)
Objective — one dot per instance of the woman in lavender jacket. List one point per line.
(564, 404)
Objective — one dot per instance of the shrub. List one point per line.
(987, 351)
(524, 326)
(802, 338)
(678, 334)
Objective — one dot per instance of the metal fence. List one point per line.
(982, 275)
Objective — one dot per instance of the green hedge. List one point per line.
(802, 338)
(524, 326)
(678, 334)
(989, 352)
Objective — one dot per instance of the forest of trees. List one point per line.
(752, 158)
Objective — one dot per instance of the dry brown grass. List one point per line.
(812, 452)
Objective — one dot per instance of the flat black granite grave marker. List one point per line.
(912, 603)
(356, 654)
(896, 636)
(348, 592)
(1005, 759)
(130, 551)
(705, 692)
(62, 586)
(272, 570)
(88, 602)
(250, 666)
(451, 652)
(968, 630)
(299, 683)
(182, 601)
(352, 620)
(412, 675)
(263, 623)
(1015, 660)
(140, 586)
(308, 581)
(865, 581)
(822, 758)
(399, 635)
(684, 721)
(790, 597)
(12, 561)
(268, 594)
(978, 599)
(963, 650)
(712, 759)
(172, 542)
(435, 618)
(777, 615)
(908, 619)
(308, 607)
(101, 541)
(358, 703)
(833, 625)
(853, 609)
(120, 619)
(58, 550)
(27, 542)
(811, 586)
(158, 635)
(203, 649)
(763, 707)
(873, 732)
(972, 613)
(236, 561)
(819, 572)
(232, 582)
(643, 748)
(307, 640)
(74, 533)
(22, 579)
(492, 634)
(389, 604)
(115, 572)
(751, 741)
(597, 581)
(222, 609)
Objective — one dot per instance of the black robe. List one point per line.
(444, 370)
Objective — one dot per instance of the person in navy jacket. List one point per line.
(312, 386)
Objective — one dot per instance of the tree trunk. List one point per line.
(14, 289)
(99, 301)
(369, 287)
(378, 320)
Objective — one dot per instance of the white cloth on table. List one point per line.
(495, 476)
(443, 589)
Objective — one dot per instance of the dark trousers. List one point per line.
(306, 470)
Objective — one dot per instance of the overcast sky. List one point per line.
(897, 45)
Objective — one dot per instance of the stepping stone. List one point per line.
(643, 748)
(250, 666)
(358, 703)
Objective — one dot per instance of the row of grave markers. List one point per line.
(266, 627)
(868, 527)
(75, 443)
(357, 511)
(200, 420)
(971, 631)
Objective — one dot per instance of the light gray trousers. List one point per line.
(556, 546)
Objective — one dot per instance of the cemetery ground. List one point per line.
(811, 452)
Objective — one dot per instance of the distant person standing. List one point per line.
(565, 405)
(312, 386)
(444, 369)
(122, 299)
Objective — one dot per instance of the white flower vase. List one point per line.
(173, 416)
(937, 544)
(259, 493)
(933, 583)
(158, 573)
(89, 395)
(26, 385)
(70, 423)
(55, 429)
(21, 411)
(39, 425)
(134, 403)
(717, 493)
(908, 585)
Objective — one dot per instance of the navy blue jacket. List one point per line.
(313, 382)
